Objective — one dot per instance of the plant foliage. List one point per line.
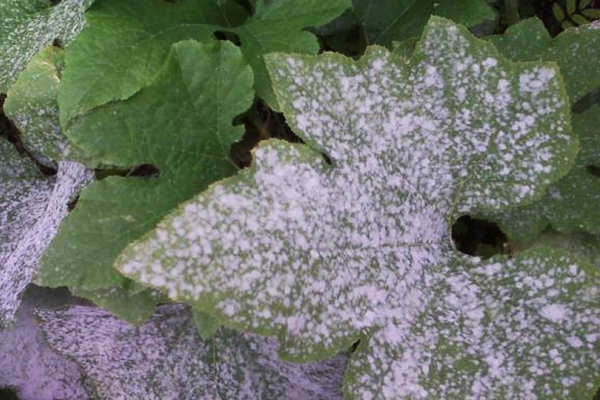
(326, 254)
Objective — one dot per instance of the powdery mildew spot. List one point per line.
(322, 253)
(165, 359)
(27, 30)
(32, 208)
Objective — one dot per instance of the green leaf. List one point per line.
(133, 307)
(570, 203)
(558, 12)
(166, 359)
(323, 254)
(31, 209)
(181, 123)
(579, 19)
(571, 7)
(386, 21)
(465, 12)
(28, 26)
(592, 13)
(126, 41)
(33, 108)
(207, 324)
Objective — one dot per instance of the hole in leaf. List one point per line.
(7, 393)
(55, 2)
(594, 170)
(478, 237)
(326, 158)
(142, 170)
(57, 43)
(228, 36)
(260, 123)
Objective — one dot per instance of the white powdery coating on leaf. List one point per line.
(29, 366)
(27, 31)
(32, 236)
(321, 251)
(165, 359)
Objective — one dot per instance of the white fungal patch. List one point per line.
(31, 209)
(322, 252)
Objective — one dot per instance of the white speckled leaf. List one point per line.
(32, 105)
(28, 365)
(571, 203)
(27, 26)
(166, 360)
(31, 209)
(323, 254)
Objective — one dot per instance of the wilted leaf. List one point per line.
(324, 254)
(31, 209)
(166, 360)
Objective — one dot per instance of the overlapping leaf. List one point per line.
(28, 365)
(31, 209)
(166, 359)
(386, 21)
(28, 26)
(323, 254)
(181, 124)
(32, 105)
(126, 42)
(573, 202)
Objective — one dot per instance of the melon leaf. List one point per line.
(324, 251)
(31, 209)
(571, 203)
(165, 359)
(28, 26)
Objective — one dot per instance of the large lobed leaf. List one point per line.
(182, 124)
(28, 26)
(166, 360)
(125, 42)
(324, 254)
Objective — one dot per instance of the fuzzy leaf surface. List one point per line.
(31, 209)
(572, 202)
(126, 42)
(166, 359)
(28, 26)
(324, 254)
(182, 124)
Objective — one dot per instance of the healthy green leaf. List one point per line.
(28, 26)
(165, 359)
(126, 41)
(31, 209)
(33, 107)
(181, 124)
(28, 365)
(572, 202)
(324, 254)
(386, 21)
